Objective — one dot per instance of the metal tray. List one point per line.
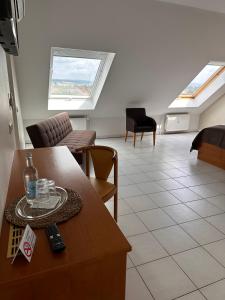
(28, 212)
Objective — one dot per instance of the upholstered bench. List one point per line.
(57, 131)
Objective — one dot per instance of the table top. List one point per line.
(89, 236)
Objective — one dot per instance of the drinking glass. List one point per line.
(42, 189)
(51, 188)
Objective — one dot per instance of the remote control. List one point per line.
(55, 239)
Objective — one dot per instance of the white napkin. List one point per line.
(47, 204)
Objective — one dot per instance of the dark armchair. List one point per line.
(137, 121)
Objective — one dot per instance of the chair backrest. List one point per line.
(135, 113)
(103, 159)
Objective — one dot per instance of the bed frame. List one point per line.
(212, 154)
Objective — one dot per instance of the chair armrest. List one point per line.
(151, 121)
(130, 124)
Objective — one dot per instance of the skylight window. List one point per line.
(207, 85)
(77, 78)
(201, 81)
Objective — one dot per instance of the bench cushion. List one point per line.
(77, 139)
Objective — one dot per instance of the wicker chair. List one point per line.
(103, 160)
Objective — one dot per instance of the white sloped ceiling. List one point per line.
(210, 5)
(159, 49)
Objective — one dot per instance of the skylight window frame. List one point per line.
(80, 103)
(204, 85)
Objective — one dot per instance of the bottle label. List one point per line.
(31, 189)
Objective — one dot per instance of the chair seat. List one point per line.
(104, 188)
(144, 128)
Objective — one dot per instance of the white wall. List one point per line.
(7, 143)
(159, 49)
(214, 115)
(18, 121)
(115, 126)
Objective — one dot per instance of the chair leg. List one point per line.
(134, 138)
(154, 135)
(115, 206)
(126, 136)
(142, 134)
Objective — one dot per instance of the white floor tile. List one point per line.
(188, 181)
(170, 184)
(181, 213)
(130, 170)
(218, 186)
(174, 239)
(209, 190)
(220, 175)
(185, 195)
(165, 279)
(217, 250)
(135, 287)
(155, 167)
(215, 291)
(123, 208)
(181, 164)
(155, 219)
(174, 173)
(131, 225)
(192, 296)
(200, 267)
(139, 161)
(138, 178)
(218, 221)
(197, 179)
(202, 232)
(164, 199)
(124, 181)
(129, 262)
(218, 201)
(150, 187)
(129, 191)
(204, 208)
(156, 175)
(140, 203)
(145, 248)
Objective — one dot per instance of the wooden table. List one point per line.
(93, 266)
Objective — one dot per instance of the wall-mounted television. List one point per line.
(11, 12)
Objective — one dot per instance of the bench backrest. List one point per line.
(50, 132)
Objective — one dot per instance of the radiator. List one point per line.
(177, 122)
(79, 123)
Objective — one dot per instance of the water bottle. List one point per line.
(30, 176)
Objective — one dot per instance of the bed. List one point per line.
(210, 143)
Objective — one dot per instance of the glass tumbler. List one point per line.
(51, 188)
(42, 189)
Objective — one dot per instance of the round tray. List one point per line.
(40, 209)
(67, 209)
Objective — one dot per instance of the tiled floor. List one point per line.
(172, 211)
